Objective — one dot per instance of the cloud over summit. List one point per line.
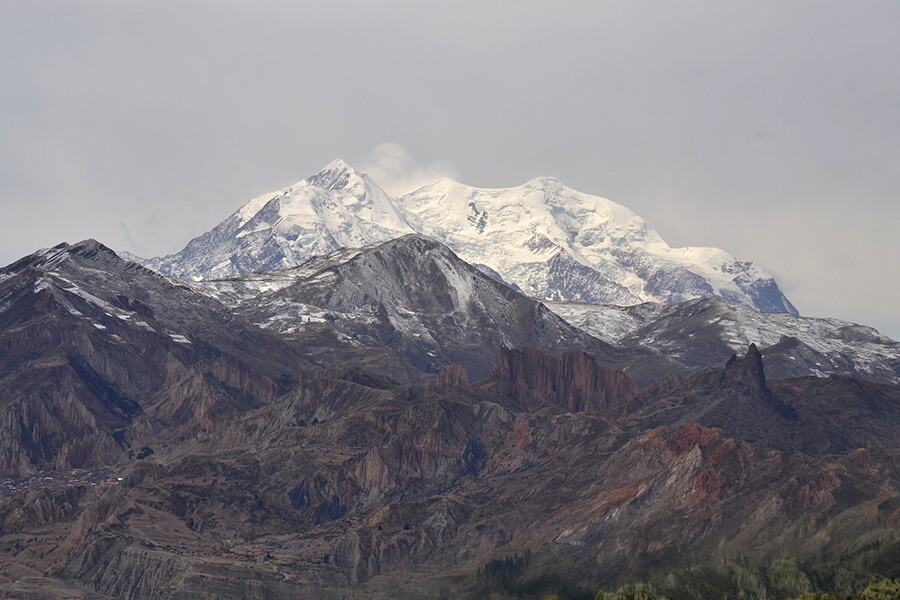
(392, 167)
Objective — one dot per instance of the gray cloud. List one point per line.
(767, 128)
(397, 172)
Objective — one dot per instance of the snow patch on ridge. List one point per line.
(847, 347)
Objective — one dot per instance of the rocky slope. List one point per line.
(549, 241)
(411, 297)
(99, 353)
(797, 415)
(337, 487)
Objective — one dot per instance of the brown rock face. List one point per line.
(453, 375)
(343, 486)
(575, 382)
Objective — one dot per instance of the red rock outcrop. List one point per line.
(452, 375)
(575, 382)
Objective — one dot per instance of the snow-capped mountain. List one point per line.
(335, 208)
(556, 243)
(544, 238)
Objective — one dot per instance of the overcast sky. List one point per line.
(768, 128)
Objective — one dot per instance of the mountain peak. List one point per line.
(544, 182)
(338, 164)
(335, 176)
(46, 258)
(415, 240)
(89, 248)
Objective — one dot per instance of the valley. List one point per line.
(389, 420)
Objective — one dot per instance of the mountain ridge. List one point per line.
(696, 333)
(411, 296)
